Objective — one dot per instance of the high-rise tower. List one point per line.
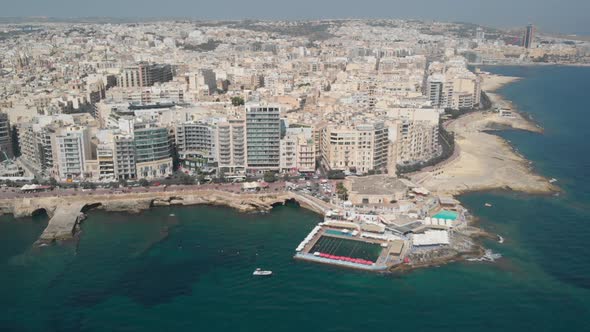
(527, 40)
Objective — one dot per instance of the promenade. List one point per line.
(65, 206)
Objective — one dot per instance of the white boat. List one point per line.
(260, 272)
(500, 238)
(553, 180)
(488, 205)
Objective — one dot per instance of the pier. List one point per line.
(62, 224)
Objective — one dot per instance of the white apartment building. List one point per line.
(35, 147)
(196, 144)
(203, 82)
(456, 88)
(71, 150)
(124, 157)
(231, 145)
(415, 132)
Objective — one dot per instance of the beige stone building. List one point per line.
(297, 153)
(361, 148)
(415, 132)
(375, 190)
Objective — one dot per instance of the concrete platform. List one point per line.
(62, 225)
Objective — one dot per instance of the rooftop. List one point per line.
(377, 185)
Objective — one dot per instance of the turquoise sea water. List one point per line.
(192, 271)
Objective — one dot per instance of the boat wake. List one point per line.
(488, 256)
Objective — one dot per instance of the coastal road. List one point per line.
(9, 192)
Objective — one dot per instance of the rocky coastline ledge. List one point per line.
(65, 216)
(482, 160)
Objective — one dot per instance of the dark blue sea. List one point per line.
(191, 271)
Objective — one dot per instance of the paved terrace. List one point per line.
(63, 223)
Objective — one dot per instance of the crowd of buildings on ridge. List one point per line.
(85, 102)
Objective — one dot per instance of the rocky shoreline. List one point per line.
(138, 202)
(65, 217)
(464, 244)
(484, 162)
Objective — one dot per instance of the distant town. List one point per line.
(351, 115)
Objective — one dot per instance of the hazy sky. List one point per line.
(567, 16)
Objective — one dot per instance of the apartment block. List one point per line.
(231, 145)
(361, 148)
(263, 134)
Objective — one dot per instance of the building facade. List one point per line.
(263, 135)
(527, 38)
(144, 74)
(152, 151)
(231, 145)
(359, 149)
(71, 151)
(6, 151)
(196, 144)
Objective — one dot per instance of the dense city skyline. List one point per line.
(567, 16)
(394, 132)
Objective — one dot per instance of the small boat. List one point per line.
(500, 238)
(171, 215)
(553, 180)
(259, 272)
(488, 205)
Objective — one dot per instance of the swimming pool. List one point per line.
(336, 232)
(347, 248)
(445, 214)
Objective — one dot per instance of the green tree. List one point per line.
(186, 179)
(269, 177)
(237, 101)
(123, 182)
(336, 175)
(221, 175)
(144, 183)
(342, 191)
(88, 185)
(52, 182)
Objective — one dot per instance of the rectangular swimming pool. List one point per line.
(445, 214)
(337, 232)
(348, 248)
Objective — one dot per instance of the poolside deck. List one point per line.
(389, 255)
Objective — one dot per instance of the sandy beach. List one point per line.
(484, 161)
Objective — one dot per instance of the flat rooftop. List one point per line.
(377, 185)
